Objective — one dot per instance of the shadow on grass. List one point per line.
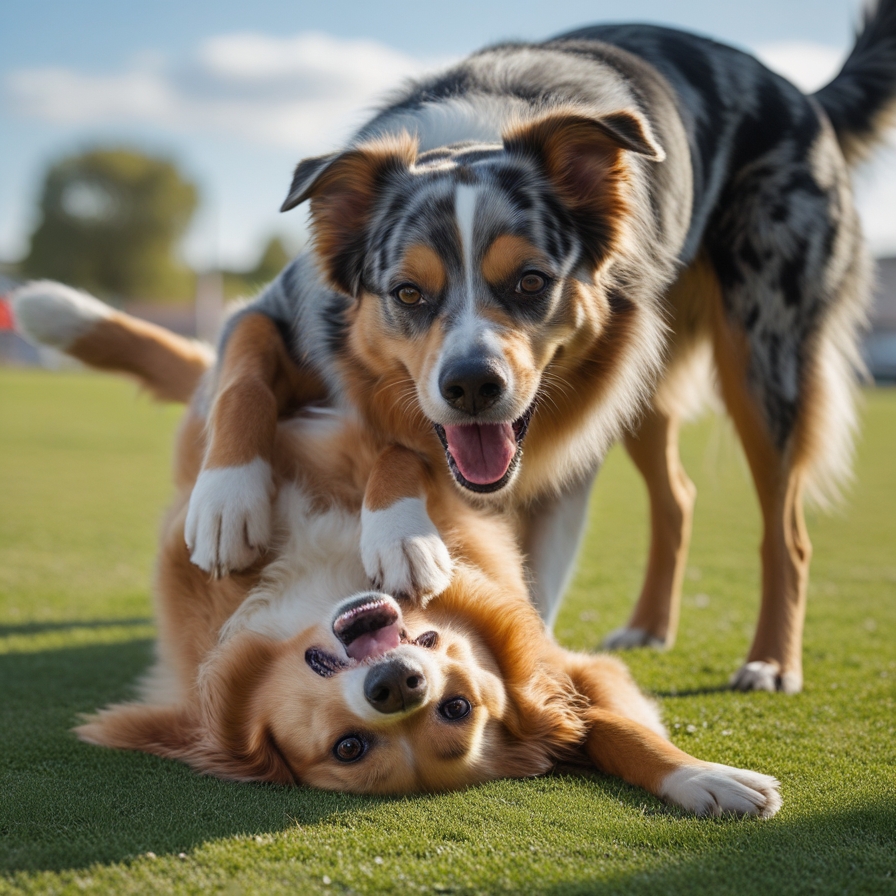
(848, 851)
(692, 692)
(36, 628)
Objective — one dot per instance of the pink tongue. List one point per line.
(375, 644)
(483, 451)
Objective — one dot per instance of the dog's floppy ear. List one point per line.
(171, 731)
(343, 188)
(178, 732)
(239, 742)
(584, 159)
(222, 734)
(303, 178)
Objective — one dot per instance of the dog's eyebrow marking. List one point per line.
(424, 266)
(506, 255)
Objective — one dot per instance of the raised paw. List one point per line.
(712, 789)
(229, 518)
(403, 553)
(763, 676)
(626, 638)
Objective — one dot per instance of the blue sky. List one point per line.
(237, 92)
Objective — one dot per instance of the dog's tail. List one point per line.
(861, 100)
(168, 365)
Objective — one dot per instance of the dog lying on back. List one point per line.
(298, 672)
(550, 245)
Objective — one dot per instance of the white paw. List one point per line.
(762, 676)
(402, 551)
(229, 518)
(626, 638)
(712, 789)
(51, 313)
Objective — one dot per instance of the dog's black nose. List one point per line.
(395, 685)
(472, 385)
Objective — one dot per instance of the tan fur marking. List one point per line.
(423, 266)
(257, 381)
(398, 473)
(507, 257)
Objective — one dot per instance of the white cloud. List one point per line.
(808, 65)
(303, 92)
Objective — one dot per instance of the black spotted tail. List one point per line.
(861, 100)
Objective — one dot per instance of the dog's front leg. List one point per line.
(401, 548)
(624, 748)
(229, 518)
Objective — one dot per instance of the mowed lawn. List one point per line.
(83, 482)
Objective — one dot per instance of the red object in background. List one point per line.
(5, 316)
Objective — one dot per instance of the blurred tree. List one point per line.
(273, 260)
(111, 222)
(244, 284)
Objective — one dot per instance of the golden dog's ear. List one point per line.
(171, 731)
(238, 742)
(343, 188)
(177, 732)
(584, 160)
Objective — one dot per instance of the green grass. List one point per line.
(83, 482)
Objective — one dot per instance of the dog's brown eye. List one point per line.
(408, 294)
(349, 749)
(454, 709)
(531, 283)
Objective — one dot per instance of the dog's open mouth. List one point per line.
(484, 456)
(370, 627)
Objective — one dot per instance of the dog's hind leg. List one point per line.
(654, 450)
(774, 662)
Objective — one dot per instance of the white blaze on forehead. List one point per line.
(465, 210)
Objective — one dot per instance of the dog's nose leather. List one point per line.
(396, 685)
(472, 385)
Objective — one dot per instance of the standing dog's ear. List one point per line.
(303, 178)
(342, 188)
(584, 159)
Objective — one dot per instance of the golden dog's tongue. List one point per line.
(482, 451)
(374, 644)
(369, 626)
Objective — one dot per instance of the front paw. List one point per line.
(403, 553)
(713, 789)
(229, 518)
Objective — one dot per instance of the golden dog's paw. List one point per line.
(626, 638)
(403, 553)
(712, 789)
(229, 518)
(763, 676)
